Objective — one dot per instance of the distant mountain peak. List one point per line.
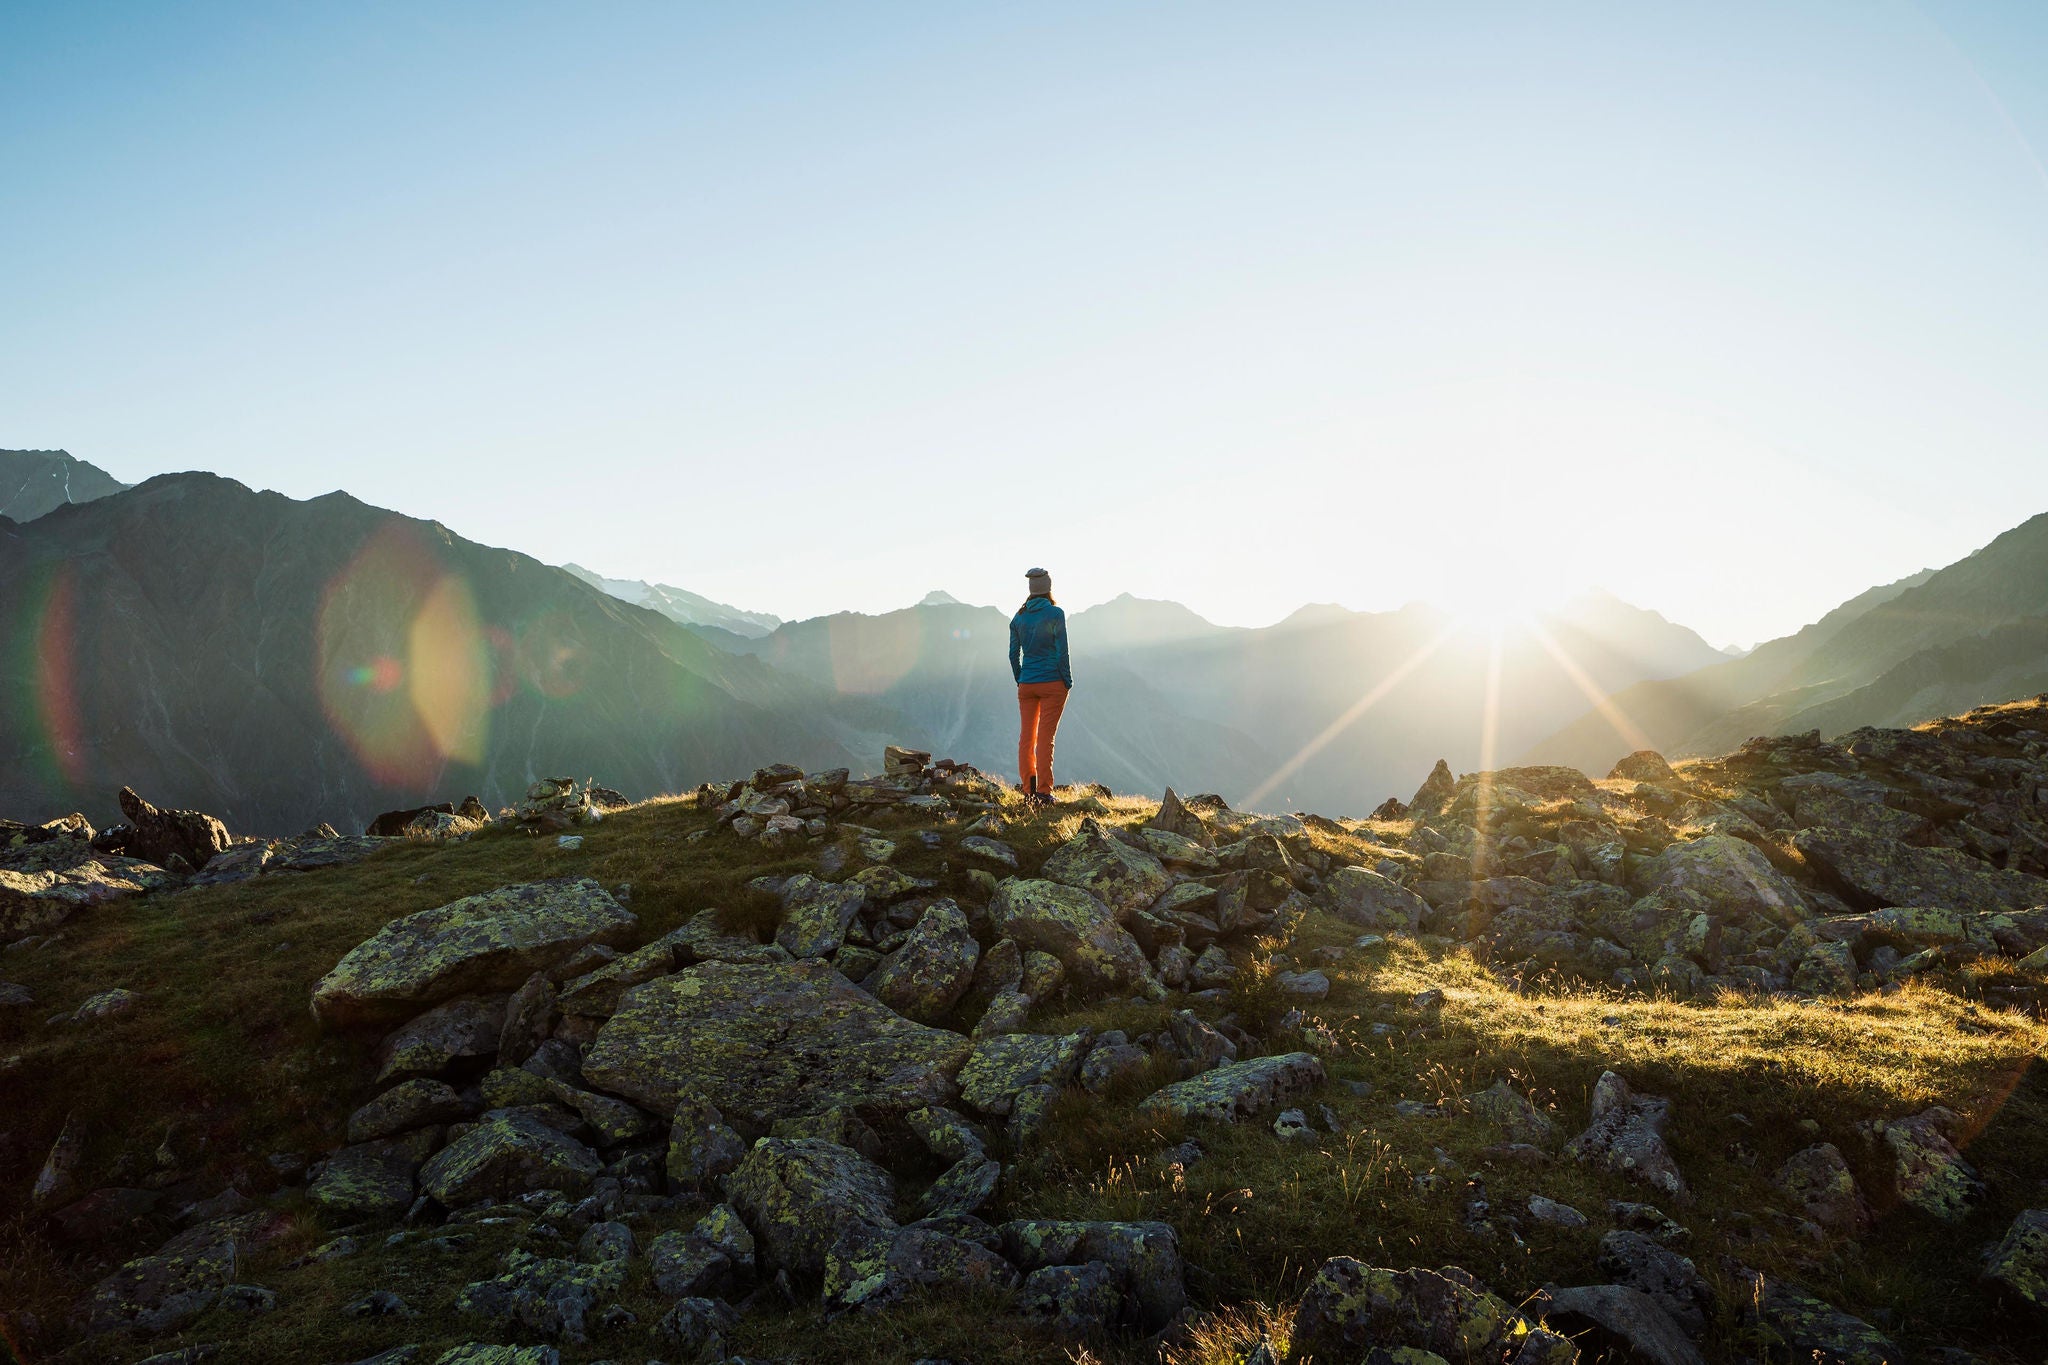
(939, 597)
(680, 605)
(36, 482)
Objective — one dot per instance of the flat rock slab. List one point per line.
(490, 942)
(1240, 1089)
(770, 1041)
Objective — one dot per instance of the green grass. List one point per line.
(223, 1047)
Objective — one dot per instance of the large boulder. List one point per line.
(1002, 1065)
(1123, 878)
(1627, 1322)
(1821, 1187)
(370, 1179)
(507, 1153)
(1176, 818)
(1792, 1324)
(1099, 955)
(797, 1195)
(44, 881)
(1731, 876)
(158, 1293)
(1626, 1136)
(159, 836)
(490, 942)
(1239, 1089)
(769, 1041)
(926, 977)
(1872, 871)
(1352, 1311)
(1363, 897)
(1143, 1259)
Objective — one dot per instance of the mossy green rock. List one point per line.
(1240, 1089)
(770, 1041)
(1350, 1308)
(1884, 872)
(926, 977)
(798, 1195)
(158, 1293)
(1003, 1064)
(2019, 1264)
(1910, 928)
(1360, 896)
(1807, 1328)
(509, 1152)
(1123, 878)
(1513, 1115)
(1098, 954)
(596, 994)
(490, 942)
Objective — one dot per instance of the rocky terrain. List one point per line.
(1932, 644)
(1732, 1061)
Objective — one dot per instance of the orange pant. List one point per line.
(1038, 709)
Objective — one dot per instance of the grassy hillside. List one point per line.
(220, 1066)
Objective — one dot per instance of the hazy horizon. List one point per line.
(1733, 314)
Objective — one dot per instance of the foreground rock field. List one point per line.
(1729, 1062)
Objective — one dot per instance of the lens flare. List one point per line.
(551, 657)
(404, 666)
(876, 656)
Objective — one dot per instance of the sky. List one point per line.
(1733, 310)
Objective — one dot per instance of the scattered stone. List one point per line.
(452, 1036)
(508, 1152)
(1822, 1188)
(1097, 954)
(2018, 1265)
(1292, 1123)
(1513, 1114)
(551, 1297)
(1556, 1214)
(1240, 1089)
(1676, 1284)
(1927, 1170)
(156, 1294)
(1350, 1308)
(158, 836)
(928, 975)
(407, 1105)
(1793, 1321)
(1123, 878)
(1627, 1136)
(799, 1194)
(816, 915)
(1363, 897)
(1619, 1317)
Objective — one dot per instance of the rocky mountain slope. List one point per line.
(1928, 645)
(281, 663)
(680, 605)
(33, 482)
(1163, 695)
(1737, 1061)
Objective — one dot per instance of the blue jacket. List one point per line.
(1038, 644)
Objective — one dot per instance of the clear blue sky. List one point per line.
(1733, 309)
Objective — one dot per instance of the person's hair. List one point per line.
(1047, 596)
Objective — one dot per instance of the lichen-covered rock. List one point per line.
(945, 1134)
(1927, 1170)
(1820, 1186)
(1351, 1308)
(407, 1105)
(490, 942)
(1360, 896)
(773, 1040)
(1177, 850)
(447, 1038)
(1071, 1300)
(1098, 955)
(1125, 879)
(507, 1153)
(1672, 1280)
(542, 1294)
(2018, 1265)
(1513, 1115)
(1789, 1321)
(816, 915)
(369, 1180)
(1644, 765)
(1143, 1259)
(701, 1147)
(596, 993)
(43, 883)
(1005, 1014)
(993, 851)
(966, 1187)
(697, 1327)
(870, 1267)
(1200, 1047)
(1626, 1136)
(1626, 1321)
(157, 1293)
(1875, 871)
(483, 1353)
(798, 1194)
(1729, 874)
(926, 977)
(1001, 1065)
(1826, 969)
(1240, 1089)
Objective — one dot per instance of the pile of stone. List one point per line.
(443, 821)
(554, 805)
(1794, 865)
(782, 803)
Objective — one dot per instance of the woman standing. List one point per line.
(1038, 661)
